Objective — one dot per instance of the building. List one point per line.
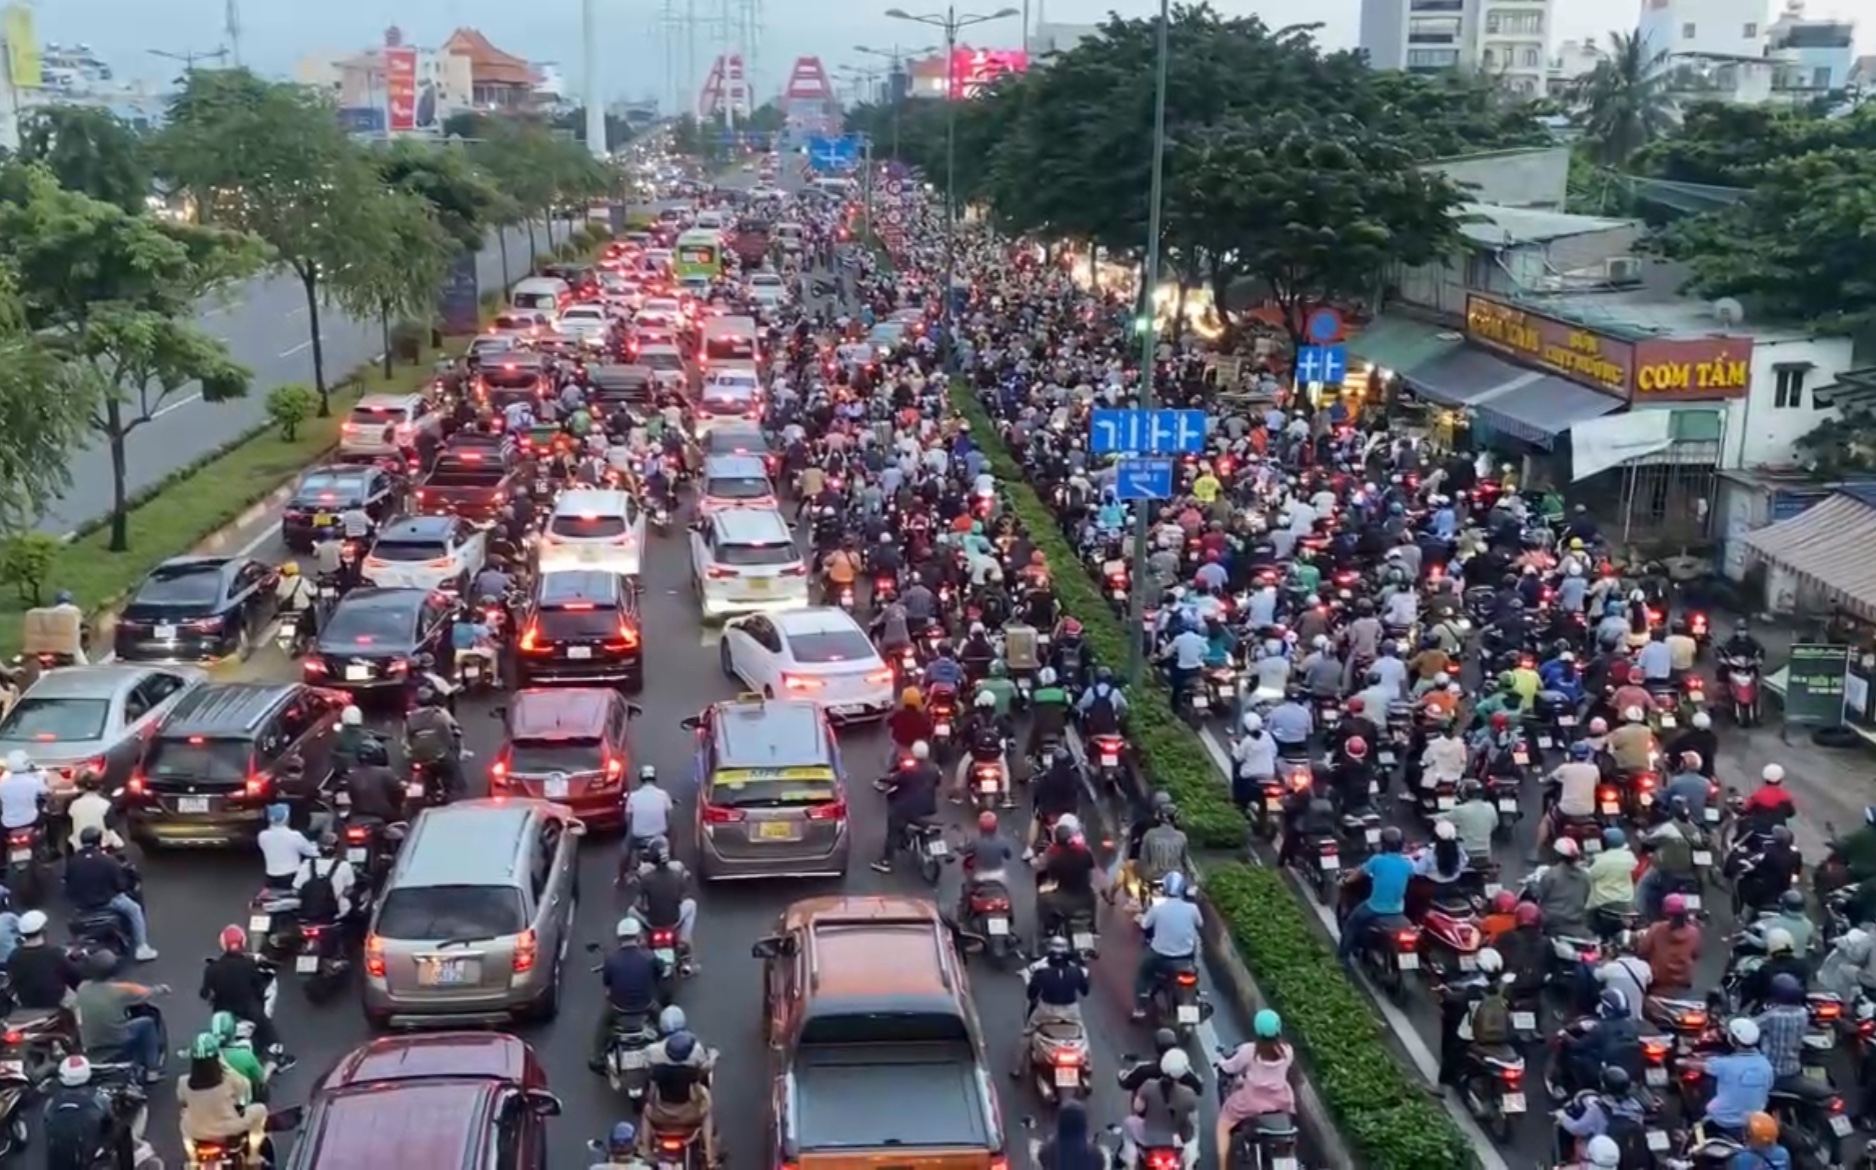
(1570, 61)
(1813, 58)
(391, 88)
(1507, 39)
(1726, 50)
(497, 80)
(1047, 36)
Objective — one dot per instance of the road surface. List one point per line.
(264, 323)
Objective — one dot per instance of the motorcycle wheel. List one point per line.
(928, 868)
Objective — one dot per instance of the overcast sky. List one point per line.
(276, 34)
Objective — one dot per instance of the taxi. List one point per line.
(772, 792)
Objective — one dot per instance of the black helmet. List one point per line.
(1792, 902)
(91, 837)
(1615, 1080)
(100, 964)
(372, 753)
(427, 696)
(1391, 840)
(1164, 1041)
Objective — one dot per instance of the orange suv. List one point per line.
(877, 1058)
(440, 1101)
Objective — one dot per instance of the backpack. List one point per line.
(1630, 1136)
(319, 901)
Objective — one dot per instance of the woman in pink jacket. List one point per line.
(1261, 1081)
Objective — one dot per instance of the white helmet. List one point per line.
(1068, 821)
(74, 1071)
(1702, 720)
(1773, 774)
(1444, 830)
(1045, 677)
(984, 701)
(32, 923)
(1632, 714)
(1253, 723)
(352, 716)
(1743, 1032)
(921, 750)
(1565, 847)
(1490, 961)
(630, 929)
(1637, 595)
(19, 761)
(1175, 1064)
(1602, 1152)
(1778, 940)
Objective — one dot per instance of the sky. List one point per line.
(276, 33)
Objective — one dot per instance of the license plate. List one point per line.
(1445, 803)
(472, 672)
(1082, 941)
(1373, 836)
(1468, 962)
(355, 855)
(1692, 900)
(1711, 816)
(414, 790)
(12, 1068)
(1387, 759)
(997, 926)
(1610, 808)
(1840, 1125)
(192, 804)
(941, 729)
(1068, 1077)
(579, 652)
(1283, 1162)
(324, 520)
(665, 956)
(166, 633)
(1544, 740)
(259, 922)
(1120, 595)
(759, 584)
(19, 855)
(1201, 702)
(1524, 1021)
(938, 847)
(555, 789)
(1669, 721)
(775, 831)
(1702, 857)
(1592, 845)
(633, 1058)
(1188, 1013)
(1656, 1076)
(1521, 758)
(1566, 721)
(357, 673)
(445, 972)
(1408, 961)
(1514, 1103)
(1110, 760)
(1508, 805)
(989, 786)
(1273, 804)
(305, 964)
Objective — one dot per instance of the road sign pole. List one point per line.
(1149, 344)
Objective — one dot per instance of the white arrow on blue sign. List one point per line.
(1323, 365)
(1143, 479)
(1147, 432)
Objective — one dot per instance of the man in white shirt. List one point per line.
(647, 814)
(283, 848)
(91, 809)
(1255, 752)
(23, 793)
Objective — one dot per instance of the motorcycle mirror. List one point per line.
(594, 1145)
(284, 1119)
(498, 711)
(592, 948)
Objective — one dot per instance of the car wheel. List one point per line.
(728, 661)
(378, 1021)
(244, 644)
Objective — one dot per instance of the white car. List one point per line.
(426, 552)
(594, 528)
(745, 561)
(768, 290)
(819, 654)
(734, 481)
(588, 324)
(668, 310)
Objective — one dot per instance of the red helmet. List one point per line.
(1355, 706)
(1500, 721)
(986, 821)
(233, 938)
(1356, 747)
(1505, 902)
(1528, 914)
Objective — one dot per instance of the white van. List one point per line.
(544, 294)
(708, 221)
(790, 235)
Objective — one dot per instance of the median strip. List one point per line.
(1384, 1115)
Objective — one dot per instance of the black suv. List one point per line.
(580, 625)
(214, 764)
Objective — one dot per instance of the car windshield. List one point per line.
(895, 1028)
(825, 646)
(662, 361)
(444, 913)
(756, 555)
(742, 790)
(410, 550)
(737, 487)
(582, 624)
(732, 442)
(216, 761)
(539, 757)
(55, 719)
(512, 377)
(730, 348)
(331, 487)
(185, 587)
(540, 300)
(586, 526)
(365, 625)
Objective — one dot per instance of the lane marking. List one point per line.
(301, 347)
(177, 405)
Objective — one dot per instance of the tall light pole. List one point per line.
(1148, 324)
(897, 57)
(189, 57)
(596, 144)
(952, 22)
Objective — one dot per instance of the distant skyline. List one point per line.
(275, 36)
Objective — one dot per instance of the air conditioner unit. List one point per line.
(1622, 269)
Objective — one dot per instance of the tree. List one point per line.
(112, 296)
(539, 172)
(45, 416)
(400, 258)
(1722, 144)
(1799, 248)
(269, 159)
(1624, 103)
(90, 150)
(462, 198)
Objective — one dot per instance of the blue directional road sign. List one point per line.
(1144, 479)
(1147, 432)
(1323, 364)
(833, 154)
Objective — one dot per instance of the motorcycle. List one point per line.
(1265, 1142)
(1107, 753)
(928, 845)
(1176, 1000)
(1222, 688)
(25, 872)
(1059, 1059)
(1742, 689)
(1493, 1088)
(990, 916)
(678, 1150)
(987, 787)
(1450, 939)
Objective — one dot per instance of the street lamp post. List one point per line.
(897, 57)
(1149, 329)
(189, 57)
(951, 22)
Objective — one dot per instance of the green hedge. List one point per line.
(1383, 1113)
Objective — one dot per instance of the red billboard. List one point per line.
(400, 89)
(973, 69)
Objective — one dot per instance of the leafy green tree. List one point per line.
(1722, 144)
(1799, 248)
(112, 296)
(1624, 102)
(400, 258)
(462, 198)
(90, 150)
(269, 159)
(45, 415)
(541, 174)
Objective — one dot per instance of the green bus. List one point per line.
(699, 255)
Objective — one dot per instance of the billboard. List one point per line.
(973, 69)
(25, 69)
(1654, 369)
(400, 89)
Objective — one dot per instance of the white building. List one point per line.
(1727, 50)
(1508, 39)
(1814, 57)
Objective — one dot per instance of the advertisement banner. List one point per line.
(25, 68)
(1653, 369)
(400, 89)
(459, 300)
(973, 69)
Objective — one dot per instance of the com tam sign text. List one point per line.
(1658, 369)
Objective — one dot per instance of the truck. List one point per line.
(468, 481)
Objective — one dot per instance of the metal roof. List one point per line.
(1829, 545)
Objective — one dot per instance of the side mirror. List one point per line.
(281, 1120)
(689, 723)
(595, 1146)
(576, 827)
(592, 948)
(544, 1104)
(633, 710)
(774, 946)
(971, 944)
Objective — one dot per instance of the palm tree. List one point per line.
(1624, 103)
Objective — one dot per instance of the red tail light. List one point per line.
(795, 571)
(1186, 978)
(207, 1151)
(137, 786)
(1162, 1160)
(257, 785)
(25, 838)
(880, 677)
(357, 834)
(14, 1036)
(833, 810)
(671, 1144)
(796, 682)
(1607, 794)
(1513, 1077)
(1406, 940)
(990, 905)
(717, 814)
(527, 949)
(311, 932)
(1655, 1051)
(1827, 1010)
(1067, 1057)
(1692, 1022)
(531, 640)
(664, 938)
(719, 573)
(374, 957)
(1834, 1105)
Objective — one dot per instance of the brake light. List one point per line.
(314, 666)
(374, 956)
(439, 563)
(1645, 781)
(1656, 1051)
(1829, 1010)
(1692, 1021)
(1513, 1077)
(136, 785)
(1162, 1160)
(880, 676)
(670, 1144)
(795, 682)
(1606, 794)
(719, 573)
(795, 570)
(498, 772)
(207, 1151)
(1186, 978)
(257, 785)
(527, 949)
(14, 1036)
(25, 838)
(833, 810)
(615, 770)
(1834, 1105)
(530, 640)
(720, 814)
(357, 834)
(1067, 1057)
(628, 637)
(1406, 940)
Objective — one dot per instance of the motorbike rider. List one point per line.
(1164, 1106)
(24, 793)
(1476, 819)
(1611, 880)
(1773, 870)
(1769, 804)
(620, 1149)
(1071, 1147)
(998, 686)
(986, 860)
(1048, 712)
(235, 1039)
(78, 1119)
(1561, 891)
(376, 791)
(1782, 958)
(235, 982)
(630, 978)
(1066, 878)
(472, 638)
(1672, 946)
(1163, 847)
(433, 739)
(1742, 1080)
(1055, 791)
(647, 816)
(324, 885)
(41, 976)
(282, 847)
(1055, 986)
(1783, 1023)
(679, 1101)
(1258, 1072)
(106, 1027)
(1792, 917)
(1611, 1038)
(1575, 782)
(1612, 1111)
(217, 1102)
(294, 596)
(1742, 644)
(96, 881)
(1388, 873)
(986, 735)
(663, 893)
(353, 735)
(911, 799)
(1477, 1006)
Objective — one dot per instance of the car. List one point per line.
(426, 552)
(215, 761)
(593, 528)
(476, 917)
(464, 1100)
(669, 308)
(489, 347)
(620, 385)
(93, 717)
(569, 745)
(519, 374)
(741, 437)
(768, 289)
(198, 609)
(721, 399)
(524, 324)
(819, 654)
(470, 479)
(368, 640)
(886, 1017)
(745, 561)
(772, 798)
(734, 481)
(384, 424)
(886, 335)
(580, 625)
(323, 493)
(588, 324)
(666, 363)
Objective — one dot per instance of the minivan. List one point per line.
(545, 294)
(593, 528)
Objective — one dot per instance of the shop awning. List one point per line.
(1830, 544)
(1539, 407)
(1460, 376)
(1401, 344)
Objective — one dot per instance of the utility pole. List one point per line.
(231, 27)
(691, 88)
(189, 57)
(1149, 328)
(594, 96)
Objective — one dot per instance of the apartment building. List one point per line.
(1507, 39)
